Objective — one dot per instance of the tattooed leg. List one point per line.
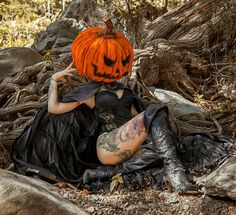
(107, 141)
(132, 128)
(121, 143)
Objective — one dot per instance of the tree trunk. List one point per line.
(196, 26)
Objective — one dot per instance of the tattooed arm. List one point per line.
(54, 106)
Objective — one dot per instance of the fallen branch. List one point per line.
(20, 108)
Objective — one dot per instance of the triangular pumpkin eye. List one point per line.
(109, 62)
(126, 60)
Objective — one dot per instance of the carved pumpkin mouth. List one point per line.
(107, 75)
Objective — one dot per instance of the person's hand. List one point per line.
(61, 76)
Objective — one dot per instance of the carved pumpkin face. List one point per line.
(102, 54)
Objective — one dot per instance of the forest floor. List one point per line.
(146, 201)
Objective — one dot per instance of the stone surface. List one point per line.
(24, 195)
(59, 35)
(13, 60)
(222, 181)
(88, 11)
(177, 103)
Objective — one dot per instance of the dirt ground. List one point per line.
(146, 201)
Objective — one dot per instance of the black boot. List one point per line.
(144, 157)
(161, 137)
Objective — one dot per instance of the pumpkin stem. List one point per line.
(109, 26)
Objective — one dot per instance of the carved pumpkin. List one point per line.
(102, 54)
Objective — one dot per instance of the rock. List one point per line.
(25, 195)
(173, 199)
(13, 60)
(177, 103)
(91, 209)
(221, 182)
(59, 35)
(88, 11)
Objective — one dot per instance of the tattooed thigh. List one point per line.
(134, 127)
(124, 154)
(127, 132)
(123, 141)
(108, 141)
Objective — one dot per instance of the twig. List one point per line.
(217, 125)
(20, 108)
(18, 95)
(219, 64)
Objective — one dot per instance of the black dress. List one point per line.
(61, 147)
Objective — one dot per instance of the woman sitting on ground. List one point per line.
(53, 142)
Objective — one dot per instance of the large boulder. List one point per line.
(177, 103)
(13, 60)
(24, 195)
(222, 181)
(59, 35)
(88, 11)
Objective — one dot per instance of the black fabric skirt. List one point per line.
(57, 146)
(62, 147)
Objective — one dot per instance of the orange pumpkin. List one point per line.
(102, 54)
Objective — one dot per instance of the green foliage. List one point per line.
(22, 19)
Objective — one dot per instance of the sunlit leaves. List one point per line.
(21, 20)
(116, 181)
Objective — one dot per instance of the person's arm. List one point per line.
(134, 112)
(54, 106)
